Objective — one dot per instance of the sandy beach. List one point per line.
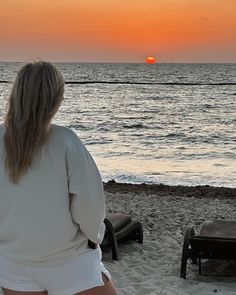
(165, 212)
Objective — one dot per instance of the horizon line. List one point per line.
(120, 62)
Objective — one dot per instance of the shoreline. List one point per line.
(167, 190)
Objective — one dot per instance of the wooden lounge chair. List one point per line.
(121, 227)
(217, 240)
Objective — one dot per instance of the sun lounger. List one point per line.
(121, 227)
(216, 240)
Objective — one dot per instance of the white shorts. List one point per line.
(76, 275)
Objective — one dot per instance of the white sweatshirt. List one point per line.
(48, 217)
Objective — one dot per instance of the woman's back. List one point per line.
(35, 223)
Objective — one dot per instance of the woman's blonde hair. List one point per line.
(35, 98)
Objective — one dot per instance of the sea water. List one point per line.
(150, 123)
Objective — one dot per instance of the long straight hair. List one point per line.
(35, 98)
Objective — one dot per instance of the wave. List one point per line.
(144, 83)
(132, 178)
(150, 83)
(4, 82)
(136, 126)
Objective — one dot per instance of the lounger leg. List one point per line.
(200, 266)
(112, 239)
(186, 252)
(140, 234)
(183, 266)
(114, 247)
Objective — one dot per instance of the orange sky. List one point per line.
(118, 30)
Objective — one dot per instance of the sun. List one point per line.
(150, 60)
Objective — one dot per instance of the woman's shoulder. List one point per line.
(62, 130)
(68, 139)
(65, 133)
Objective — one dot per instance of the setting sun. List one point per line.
(150, 60)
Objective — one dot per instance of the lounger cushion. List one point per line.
(118, 220)
(219, 228)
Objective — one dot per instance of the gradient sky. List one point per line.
(118, 30)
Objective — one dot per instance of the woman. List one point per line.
(51, 196)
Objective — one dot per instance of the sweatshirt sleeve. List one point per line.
(87, 204)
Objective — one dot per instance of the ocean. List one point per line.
(150, 123)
